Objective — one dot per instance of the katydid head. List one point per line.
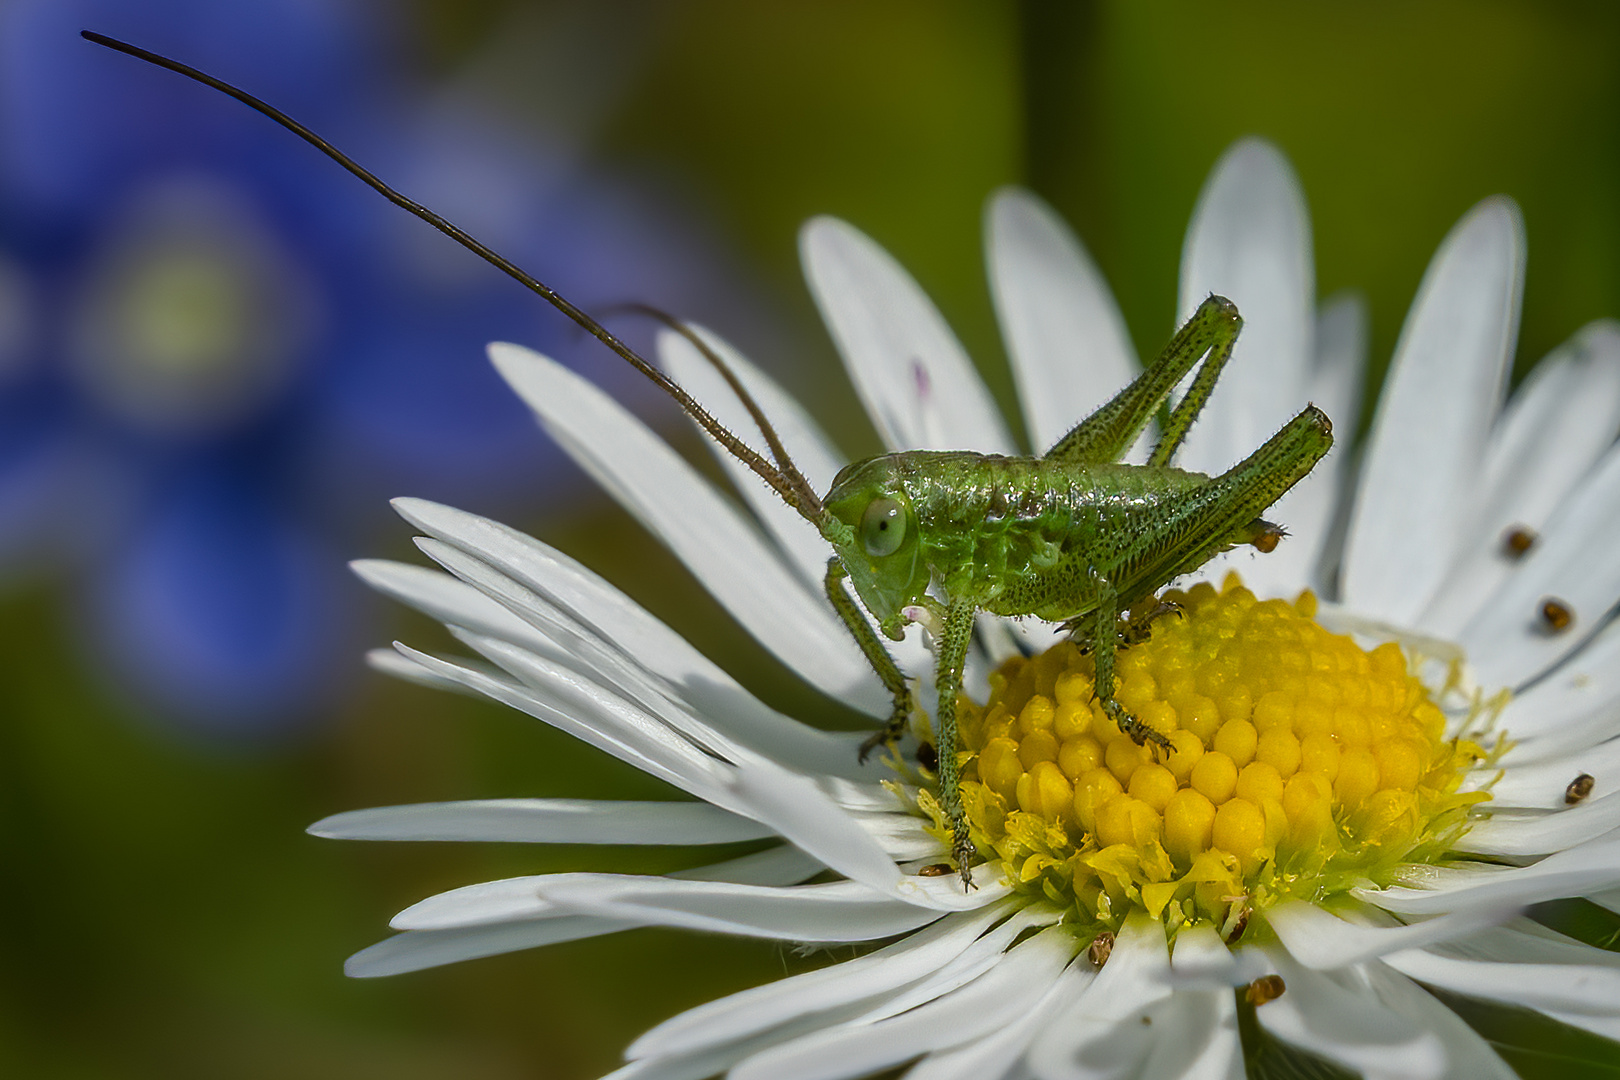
(872, 525)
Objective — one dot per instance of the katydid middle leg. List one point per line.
(950, 657)
(1104, 644)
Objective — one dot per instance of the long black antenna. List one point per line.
(785, 478)
(761, 421)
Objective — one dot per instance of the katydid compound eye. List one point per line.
(883, 526)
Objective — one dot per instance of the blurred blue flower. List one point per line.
(219, 355)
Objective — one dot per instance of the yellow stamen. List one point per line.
(1299, 765)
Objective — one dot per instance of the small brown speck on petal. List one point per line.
(1265, 988)
(1556, 615)
(1578, 789)
(1518, 540)
(1101, 948)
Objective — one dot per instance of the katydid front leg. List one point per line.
(950, 657)
(894, 681)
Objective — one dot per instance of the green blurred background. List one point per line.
(164, 913)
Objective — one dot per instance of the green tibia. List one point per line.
(1106, 434)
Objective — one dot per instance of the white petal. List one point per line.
(945, 893)
(798, 809)
(1201, 959)
(591, 600)
(1322, 941)
(971, 964)
(483, 904)
(1205, 1044)
(1250, 241)
(917, 384)
(710, 1061)
(1568, 873)
(389, 662)
(763, 1007)
(1313, 511)
(793, 805)
(999, 996)
(568, 648)
(1440, 397)
(724, 550)
(1606, 1026)
(519, 898)
(601, 719)
(904, 837)
(1349, 1026)
(1571, 708)
(1468, 1056)
(545, 821)
(1556, 426)
(574, 596)
(1107, 1030)
(1338, 377)
(997, 1055)
(780, 865)
(1563, 417)
(1543, 784)
(1539, 833)
(837, 911)
(1525, 941)
(1574, 561)
(1592, 990)
(1067, 341)
(440, 596)
(809, 448)
(419, 949)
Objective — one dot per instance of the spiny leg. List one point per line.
(894, 681)
(1187, 409)
(1106, 434)
(1103, 645)
(950, 654)
(1225, 511)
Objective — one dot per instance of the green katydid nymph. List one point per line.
(935, 537)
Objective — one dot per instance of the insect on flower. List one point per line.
(935, 537)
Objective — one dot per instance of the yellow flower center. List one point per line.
(1300, 765)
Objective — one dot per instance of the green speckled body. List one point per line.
(1030, 536)
(1053, 539)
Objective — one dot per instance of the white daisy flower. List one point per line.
(1343, 817)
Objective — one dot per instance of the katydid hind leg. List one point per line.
(1106, 434)
(1227, 510)
(1173, 430)
(894, 680)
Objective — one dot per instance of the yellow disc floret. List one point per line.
(1299, 765)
